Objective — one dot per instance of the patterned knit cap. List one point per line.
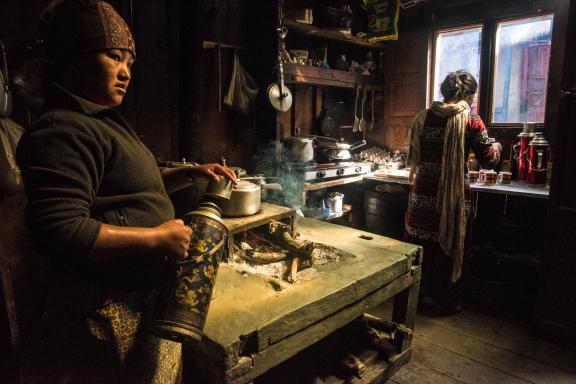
(74, 26)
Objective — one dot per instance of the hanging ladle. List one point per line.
(279, 95)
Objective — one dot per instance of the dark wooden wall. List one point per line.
(154, 101)
(172, 104)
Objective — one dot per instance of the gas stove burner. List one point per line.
(295, 164)
(324, 171)
(334, 165)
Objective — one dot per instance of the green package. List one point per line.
(382, 20)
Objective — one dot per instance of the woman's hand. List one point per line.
(172, 238)
(213, 171)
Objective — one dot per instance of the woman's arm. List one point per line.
(171, 238)
(178, 178)
(488, 154)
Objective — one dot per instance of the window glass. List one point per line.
(521, 70)
(457, 49)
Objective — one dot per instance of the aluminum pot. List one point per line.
(244, 200)
(298, 149)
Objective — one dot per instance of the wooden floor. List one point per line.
(479, 347)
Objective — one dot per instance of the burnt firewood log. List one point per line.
(352, 365)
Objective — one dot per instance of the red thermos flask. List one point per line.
(538, 156)
(520, 151)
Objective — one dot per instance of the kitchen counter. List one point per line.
(514, 188)
(255, 323)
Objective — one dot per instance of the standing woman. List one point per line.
(98, 210)
(439, 202)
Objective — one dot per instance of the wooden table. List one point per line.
(253, 325)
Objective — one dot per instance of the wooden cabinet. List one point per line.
(556, 309)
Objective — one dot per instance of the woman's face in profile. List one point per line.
(103, 77)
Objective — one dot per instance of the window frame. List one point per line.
(432, 70)
(487, 61)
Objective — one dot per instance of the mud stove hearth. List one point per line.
(257, 322)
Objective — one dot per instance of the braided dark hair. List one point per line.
(458, 86)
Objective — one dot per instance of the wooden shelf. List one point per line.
(327, 34)
(332, 183)
(305, 74)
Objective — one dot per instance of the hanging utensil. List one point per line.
(362, 123)
(5, 97)
(279, 95)
(356, 119)
(326, 122)
(372, 117)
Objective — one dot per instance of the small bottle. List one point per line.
(472, 162)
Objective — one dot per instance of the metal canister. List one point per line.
(184, 301)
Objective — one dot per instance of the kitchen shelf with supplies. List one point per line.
(309, 75)
(329, 34)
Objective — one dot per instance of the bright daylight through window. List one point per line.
(457, 49)
(521, 70)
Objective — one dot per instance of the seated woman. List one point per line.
(98, 210)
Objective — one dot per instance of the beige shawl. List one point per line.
(450, 201)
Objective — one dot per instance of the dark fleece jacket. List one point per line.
(82, 166)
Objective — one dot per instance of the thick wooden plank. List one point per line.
(485, 353)
(459, 367)
(292, 322)
(493, 329)
(305, 74)
(347, 239)
(416, 373)
(325, 34)
(279, 352)
(267, 212)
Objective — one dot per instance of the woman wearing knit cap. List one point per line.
(98, 210)
(439, 202)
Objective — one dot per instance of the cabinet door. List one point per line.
(556, 310)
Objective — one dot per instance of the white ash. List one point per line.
(322, 254)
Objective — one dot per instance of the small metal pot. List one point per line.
(298, 149)
(335, 151)
(244, 200)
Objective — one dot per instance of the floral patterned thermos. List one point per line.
(184, 301)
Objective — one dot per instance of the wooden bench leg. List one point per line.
(404, 311)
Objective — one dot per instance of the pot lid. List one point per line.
(538, 139)
(246, 186)
(301, 139)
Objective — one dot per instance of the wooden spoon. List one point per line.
(356, 120)
(362, 123)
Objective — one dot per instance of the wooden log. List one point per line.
(263, 257)
(390, 327)
(352, 365)
(280, 233)
(293, 269)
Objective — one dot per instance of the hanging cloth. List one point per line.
(242, 90)
(10, 177)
